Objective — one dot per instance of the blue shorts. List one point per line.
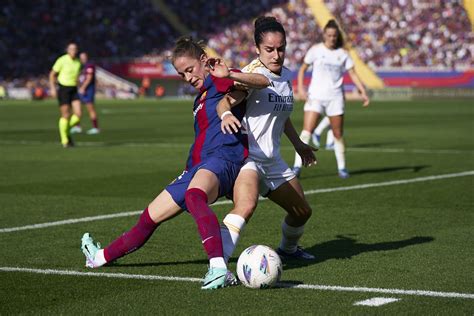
(88, 96)
(225, 171)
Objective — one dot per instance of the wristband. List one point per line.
(225, 114)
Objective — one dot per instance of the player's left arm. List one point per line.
(243, 81)
(304, 150)
(358, 83)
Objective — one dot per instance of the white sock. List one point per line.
(290, 237)
(339, 151)
(217, 262)
(99, 259)
(305, 136)
(231, 227)
(330, 138)
(322, 125)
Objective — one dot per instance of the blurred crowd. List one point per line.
(236, 43)
(211, 16)
(387, 34)
(408, 33)
(34, 34)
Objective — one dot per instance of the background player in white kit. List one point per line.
(325, 94)
(267, 118)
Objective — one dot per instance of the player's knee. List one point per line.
(337, 133)
(305, 213)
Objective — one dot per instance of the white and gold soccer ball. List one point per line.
(259, 267)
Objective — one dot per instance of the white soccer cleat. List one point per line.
(93, 131)
(75, 130)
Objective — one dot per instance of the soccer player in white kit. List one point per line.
(325, 94)
(267, 118)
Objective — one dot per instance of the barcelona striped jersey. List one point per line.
(209, 140)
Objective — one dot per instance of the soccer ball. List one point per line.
(259, 267)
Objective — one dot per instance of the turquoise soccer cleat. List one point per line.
(89, 249)
(218, 278)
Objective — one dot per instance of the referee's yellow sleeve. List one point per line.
(58, 65)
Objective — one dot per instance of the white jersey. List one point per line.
(329, 66)
(267, 112)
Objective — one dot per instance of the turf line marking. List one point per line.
(282, 284)
(186, 145)
(394, 182)
(376, 301)
(100, 274)
(309, 192)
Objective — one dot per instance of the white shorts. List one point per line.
(333, 107)
(271, 174)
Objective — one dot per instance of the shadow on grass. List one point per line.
(346, 247)
(389, 169)
(341, 248)
(371, 170)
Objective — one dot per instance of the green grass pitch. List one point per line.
(409, 236)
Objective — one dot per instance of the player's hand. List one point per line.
(230, 124)
(218, 68)
(302, 95)
(366, 100)
(53, 93)
(82, 90)
(306, 153)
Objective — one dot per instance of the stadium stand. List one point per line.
(408, 43)
(408, 34)
(33, 39)
(236, 43)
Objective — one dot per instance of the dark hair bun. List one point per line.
(265, 24)
(332, 24)
(262, 20)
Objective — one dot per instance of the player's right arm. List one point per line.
(58, 65)
(230, 124)
(302, 93)
(52, 83)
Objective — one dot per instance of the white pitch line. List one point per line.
(394, 182)
(385, 291)
(376, 301)
(186, 145)
(310, 192)
(100, 274)
(282, 284)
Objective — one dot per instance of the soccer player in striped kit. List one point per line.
(87, 82)
(213, 164)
